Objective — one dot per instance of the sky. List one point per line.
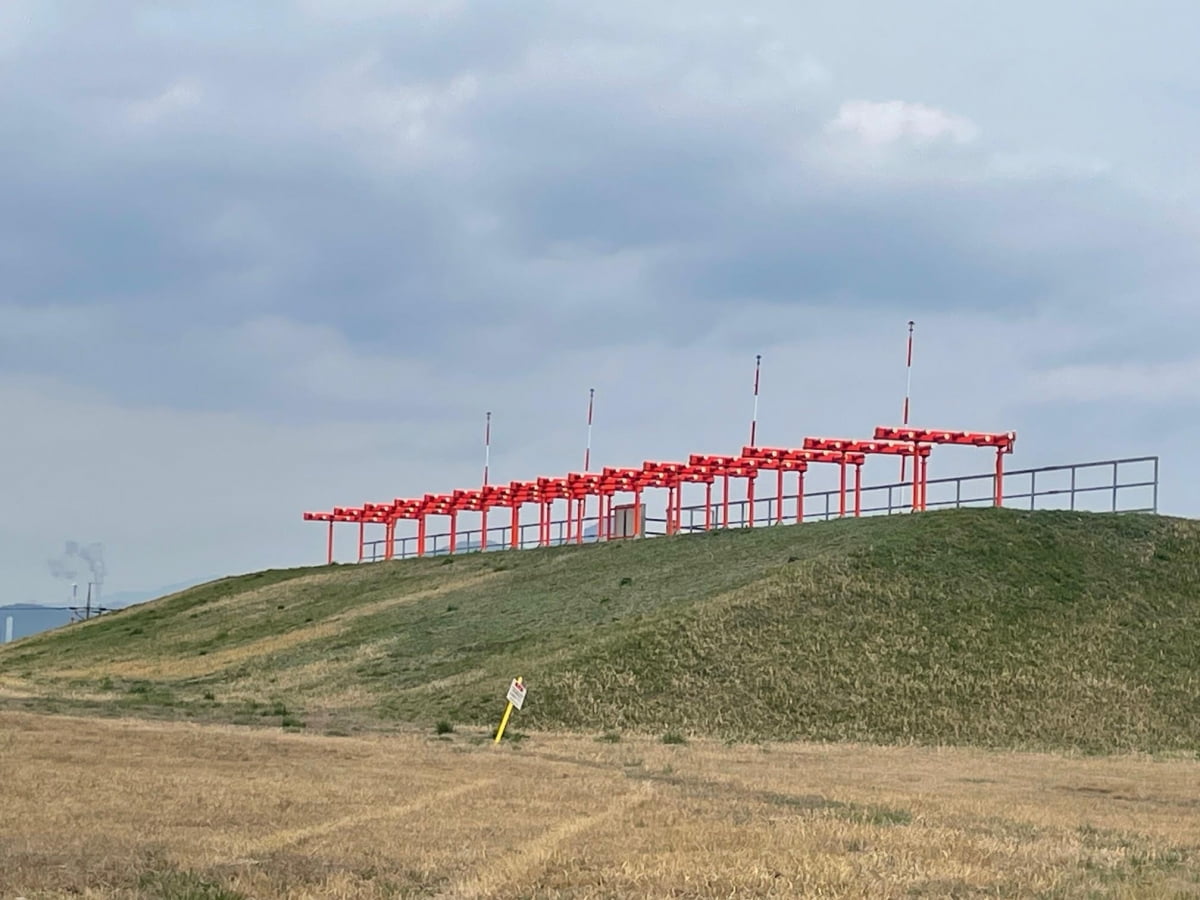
(263, 258)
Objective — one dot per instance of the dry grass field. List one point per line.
(127, 809)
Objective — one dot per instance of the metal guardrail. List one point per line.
(1116, 485)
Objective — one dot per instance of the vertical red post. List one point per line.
(582, 519)
(999, 477)
(389, 538)
(842, 488)
(708, 506)
(800, 497)
(362, 528)
(421, 535)
(514, 540)
(725, 504)
(570, 533)
(602, 528)
(924, 482)
(329, 546)
(857, 490)
(916, 478)
(483, 528)
(779, 496)
(637, 511)
(453, 531)
(750, 501)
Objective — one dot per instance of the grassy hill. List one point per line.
(986, 627)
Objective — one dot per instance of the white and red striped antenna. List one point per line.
(754, 420)
(487, 448)
(907, 398)
(587, 453)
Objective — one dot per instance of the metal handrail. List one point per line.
(766, 514)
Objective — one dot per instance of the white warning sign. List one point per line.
(516, 693)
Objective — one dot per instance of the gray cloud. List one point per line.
(380, 218)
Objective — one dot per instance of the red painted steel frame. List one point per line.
(667, 475)
(695, 475)
(880, 447)
(1001, 442)
(770, 456)
(624, 481)
(727, 467)
(700, 468)
(323, 517)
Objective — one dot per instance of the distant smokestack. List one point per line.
(79, 559)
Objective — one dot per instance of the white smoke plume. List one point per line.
(78, 560)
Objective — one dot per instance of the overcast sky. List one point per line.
(262, 258)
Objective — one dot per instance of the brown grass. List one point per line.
(125, 809)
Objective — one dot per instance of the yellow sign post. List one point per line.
(516, 699)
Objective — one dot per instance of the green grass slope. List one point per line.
(986, 627)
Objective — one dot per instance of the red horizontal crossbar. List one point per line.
(1000, 440)
(765, 455)
(890, 448)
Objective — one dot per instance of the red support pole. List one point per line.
(750, 501)
(999, 478)
(779, 497)
(362, 528)
(799, 497)
(916, 485)
(842, 488)
(708, 506)
(582, 519)
(329, 546)
(570, 535)
(453, 531)
(389, 537)
(514, 539)
(602, 528)
(483, 530)
(421, 535)
(924, 482)
(725, 504)
(637, 512)
(857, 490)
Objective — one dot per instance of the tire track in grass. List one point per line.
(279, 840)
(532, 855)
